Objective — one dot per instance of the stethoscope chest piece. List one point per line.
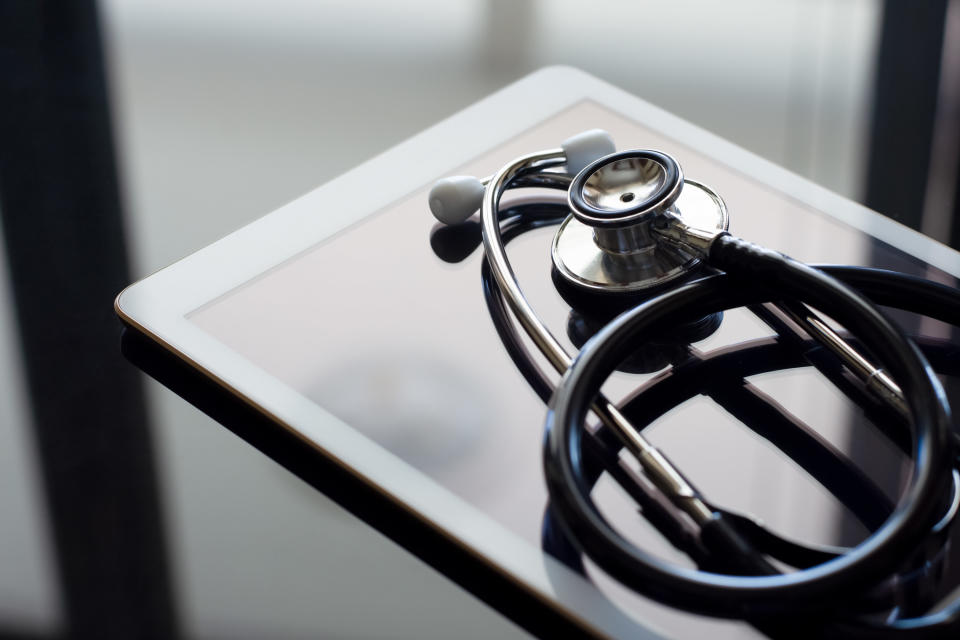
(607, 245)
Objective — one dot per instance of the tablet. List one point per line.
(348, 322)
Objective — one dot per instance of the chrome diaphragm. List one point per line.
(607, 243)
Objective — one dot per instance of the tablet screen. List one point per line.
(377, 329)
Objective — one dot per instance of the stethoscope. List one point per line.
(649, 251)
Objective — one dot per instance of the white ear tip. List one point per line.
(454, 199)
(585, 147)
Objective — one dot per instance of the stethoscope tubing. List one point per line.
(926, 297)
(728, 595)
(765, 590)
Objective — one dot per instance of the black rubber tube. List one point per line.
(834, 583)
(893, 289)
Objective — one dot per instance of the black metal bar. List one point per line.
(62, 222)
(904, 107)
(905, 103)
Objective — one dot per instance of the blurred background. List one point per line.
(134, 132)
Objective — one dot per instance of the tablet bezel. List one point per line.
(158, 305)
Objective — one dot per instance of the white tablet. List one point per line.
(338, 319)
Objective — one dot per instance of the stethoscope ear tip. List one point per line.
(454, 199)
(585, 148)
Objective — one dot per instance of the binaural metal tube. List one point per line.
(873, 378)
(655, 465)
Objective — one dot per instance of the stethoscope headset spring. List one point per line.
(633, 213)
